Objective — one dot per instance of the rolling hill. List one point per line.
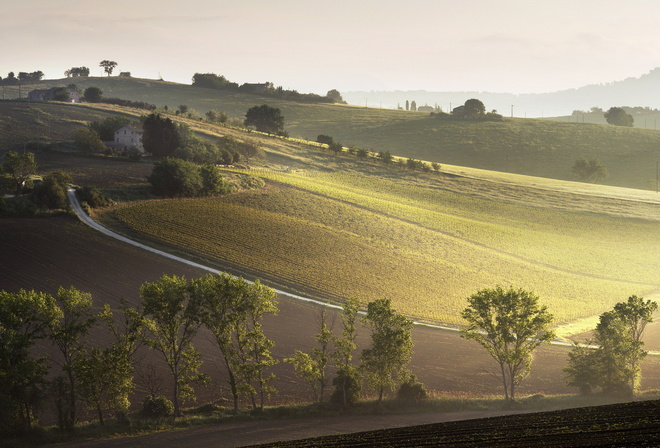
(524, 146)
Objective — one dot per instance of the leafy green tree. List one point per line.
(510, 324)
(347, 381)
(250, 149)
(52, 192)
(61, 94)
(172, 317)
(386, 157)
(25, 318)
(161, 136)
(584, 368)
(385, 361)
(325, 139)
(108, 66)
(93, 95)
(88, 140)
(175, 178)
(619, 335)
(212, 181)
(474, 109)
(19, 167)
(67, 333)
(335, 96)
(617, 116)
(312, 366)
(265, 119)
(231, 310)
(589, 170)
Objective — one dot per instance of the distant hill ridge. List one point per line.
(643, 91)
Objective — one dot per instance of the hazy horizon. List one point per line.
(510, 46)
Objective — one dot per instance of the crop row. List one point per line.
(339, 250)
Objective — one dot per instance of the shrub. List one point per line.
(348, 384)
(157, 406)
(411, 390)
(93, 197)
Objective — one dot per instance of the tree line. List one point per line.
(510, 324)
(219, 82)
(12, 80)
(172, 312)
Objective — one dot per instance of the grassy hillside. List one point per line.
(525, 146)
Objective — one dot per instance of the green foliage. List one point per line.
(231, 309)
(25, 318)
(172, 318)
(19, 168)
(52, 192)
(93, 95)
(589, 170)
(93, 197)
(411, 390)
(312, 366)
(212, 181)
(88, 140)
(61, 94)
(265, 118)
(161, 136)
(67, 333)
(175, 178)
(348, 384)
(617, 116)
(108, 66)
(250, 149)
(385, 361)
(474, 109)
(106, 127)
(619, 335)
(157, 407)
(510, 324)
(583, 369)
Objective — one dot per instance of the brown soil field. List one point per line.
(43, 254)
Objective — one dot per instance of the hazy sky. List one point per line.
(517, 46)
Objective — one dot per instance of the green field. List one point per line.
(340, 234)
(524, 146)
(336, 227)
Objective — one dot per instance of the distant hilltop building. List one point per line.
(55, 94)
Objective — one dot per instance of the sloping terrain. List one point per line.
(525, 146)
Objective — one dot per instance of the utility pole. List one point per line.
(512, 111)
(657, 176)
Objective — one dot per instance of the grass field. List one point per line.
(342, 235)
(526, 146)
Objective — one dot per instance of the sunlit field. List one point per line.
(339, 235)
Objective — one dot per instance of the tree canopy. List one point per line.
(265, 119)
(589, 170)
(617, 116)
(161, 137)
(510, 324)
(108, 66)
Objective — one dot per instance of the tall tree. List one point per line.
(231, 310)
(619, 335)
(312, 366)
(385, 361)
(20, 167)
(510, 324)
(474, 108)
(25, 318)
(161, 136)
(108, 66)
(347, 380)
(172, 318)
(67, 334)
(93, 94)
(265, 119)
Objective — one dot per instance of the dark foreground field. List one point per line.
(623, 425)
(43, 254)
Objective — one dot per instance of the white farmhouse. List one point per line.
(129, 136)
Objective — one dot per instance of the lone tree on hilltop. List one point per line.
(265, 119)
(510, 325)
(108, 66)
(618, 117)
(474, 108)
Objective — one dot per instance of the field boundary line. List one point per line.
(86, 219)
